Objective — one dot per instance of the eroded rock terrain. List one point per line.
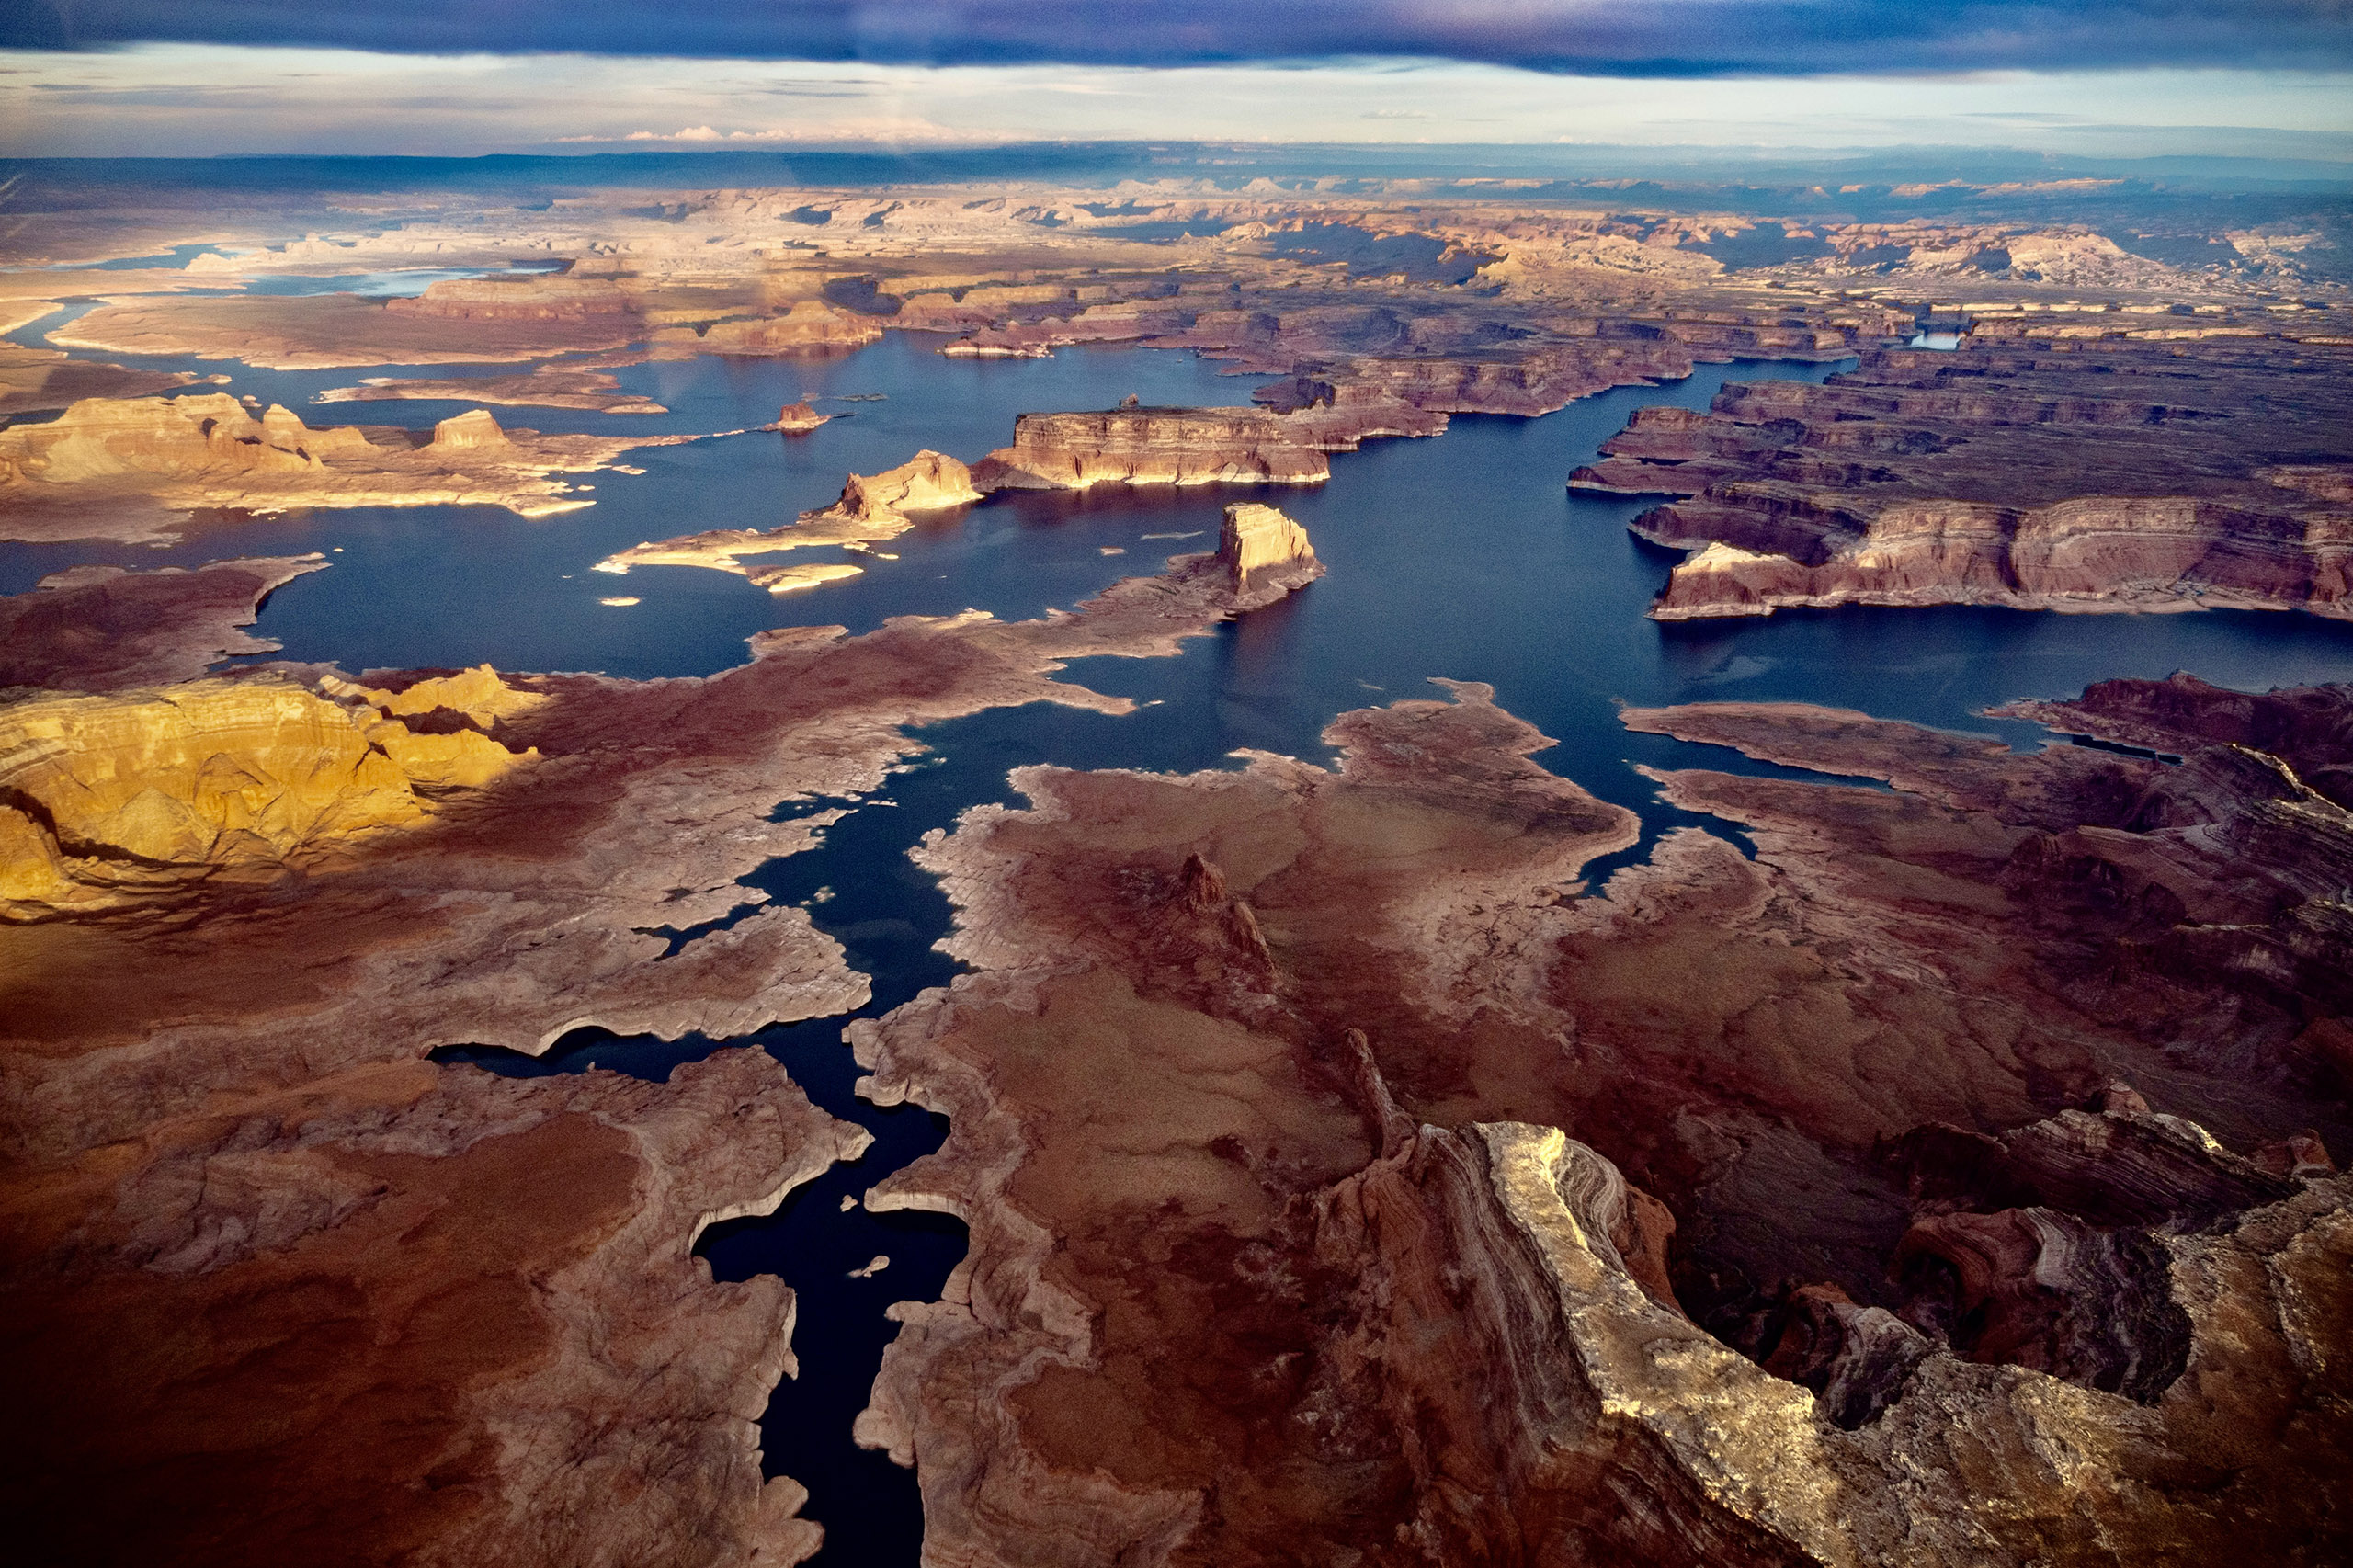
(1342, 1184)
(2087, 473)
(262, 1259)
(1951, 1180)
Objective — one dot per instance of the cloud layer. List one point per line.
(1632, 38)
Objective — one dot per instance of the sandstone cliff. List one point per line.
(2106, 476)
(111, 798)
(1152, 446)
(1259, 547)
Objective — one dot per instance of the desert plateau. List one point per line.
(1386, 790)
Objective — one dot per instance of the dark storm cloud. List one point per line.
(1611, 36)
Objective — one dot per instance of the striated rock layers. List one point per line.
(101, 628)
(107, 799)
(314, 1295)
(871, 507)
(1152, 446)
(1852, 1250)
(2097, 476)
(121, 468)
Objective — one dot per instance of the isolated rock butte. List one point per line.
(1936, 1310)
(2086, 475)
(794, 418)
(1256, 544)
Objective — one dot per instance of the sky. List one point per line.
(2096, 78)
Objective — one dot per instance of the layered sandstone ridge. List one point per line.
(2104, 476)
(108, 797)
(1337, 1177)
(1152, 446)
(118, 468)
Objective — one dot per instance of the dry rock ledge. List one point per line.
(314, 1296)
(1342, 1187)
(127, 469)
(102, 628)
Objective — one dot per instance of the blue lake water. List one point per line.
(1462, 556)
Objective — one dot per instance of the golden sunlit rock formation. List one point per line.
(107, 797)
(1257, 544)
(118, 468)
